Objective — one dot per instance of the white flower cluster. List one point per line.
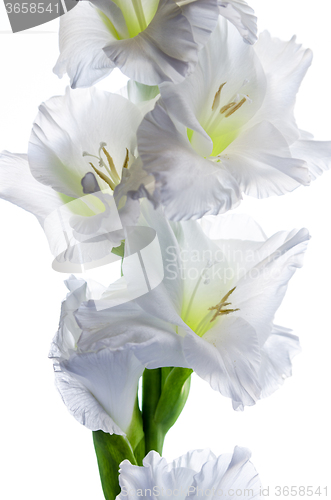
(207, 116)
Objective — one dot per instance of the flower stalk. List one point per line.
(151, 393)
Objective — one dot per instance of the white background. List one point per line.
(47, 454)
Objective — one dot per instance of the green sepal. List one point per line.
(174, 394)
(135, 433)
(165, 391)
(139, 451)
(119, 250)
(111, 450)
(138, 92)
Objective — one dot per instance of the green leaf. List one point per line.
(111, 450)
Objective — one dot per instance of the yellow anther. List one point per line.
(219, 308)
(103, 177)
(111, 165)
(227, 107)
(217, 97)
(236, 107)
(126, 161)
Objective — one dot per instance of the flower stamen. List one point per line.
(112, 179)
(113, 171)
(236, 107)
(217, 97)
(139, 11)
(227, 107)
(103, 177)
(219, 308)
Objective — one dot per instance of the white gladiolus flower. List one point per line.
(151, 41)
(229, 128)
(196, 474)
(98, 384)
(82, 145)
(214, 310)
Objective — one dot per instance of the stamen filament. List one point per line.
(202, 324)
(139, 11)
(192, 297)
(85, 153)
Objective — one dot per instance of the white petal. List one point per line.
(136, 183)
(98, 384)
(182, 176)
(203, 271)
(317, 154)
(193, 460)
(108, 381)
(285, 65)
(154, 474)
(18, 186)
(260, 291)
(228, 474)
(164, 51)
(83, 34)
(276, 359)
(203, 16)
(261, 162)
(242, 16)
(65, 340)
(154, 342)
(83, 406)
(228, 358)
(167, 301)
(232, 227)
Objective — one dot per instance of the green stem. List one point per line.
(152, 388)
